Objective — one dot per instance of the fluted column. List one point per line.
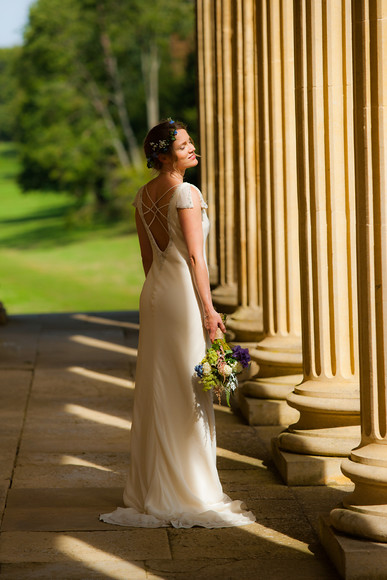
(279, 353)
(225, 294)
(365, 510)
(205, 27)
(327, 399)
(245, 324)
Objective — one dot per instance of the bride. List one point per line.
(172, 477)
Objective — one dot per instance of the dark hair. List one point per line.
(163, 132)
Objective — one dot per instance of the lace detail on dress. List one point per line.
(184, 199)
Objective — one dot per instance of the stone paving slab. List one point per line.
(88, 547)
(95, 349)
(318, 500)
(81, 438)
(76, 382)
(18, 345)
(78, 412)
(73, 457)
(14, 392)
(57, 470)
(49, 509)
(69, 570)
(4, 486)
(241, 569)
(14, 389)
(79, 320)
(227, 460)
(264, 491)
(252, 541)
(242, 479)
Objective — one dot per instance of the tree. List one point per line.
(86, 70)
(9, 93)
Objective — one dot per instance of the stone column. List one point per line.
(245, 324)
(364, 512)
(206, 76)
(327, 399)
(262, 399)
(225, 294)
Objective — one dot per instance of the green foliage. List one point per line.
(49, 267)
(83, 78)
(9, 93)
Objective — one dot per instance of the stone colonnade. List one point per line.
(293, 131)
(247, 123)
(229, 148)
(328, 397)
(364, 512)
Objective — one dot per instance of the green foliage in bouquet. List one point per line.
(219, 368)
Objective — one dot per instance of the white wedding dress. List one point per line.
(172, 477)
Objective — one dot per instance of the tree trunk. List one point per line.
(119, 98)
(150, 70)
(98, 193)
(101, 108)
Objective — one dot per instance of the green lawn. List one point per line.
(47, 266)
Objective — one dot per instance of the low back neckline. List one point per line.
(157, 214)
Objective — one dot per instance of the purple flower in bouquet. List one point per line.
(242, 355)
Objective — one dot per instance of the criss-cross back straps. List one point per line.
(156, 211)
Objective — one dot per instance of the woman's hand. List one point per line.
(213, 321)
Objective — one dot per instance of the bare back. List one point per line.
(155, 206)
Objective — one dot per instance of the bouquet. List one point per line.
(220, 366)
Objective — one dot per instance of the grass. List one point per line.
(46, 265)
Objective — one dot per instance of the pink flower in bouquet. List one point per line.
(224, 369)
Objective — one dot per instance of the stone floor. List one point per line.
(66, 389)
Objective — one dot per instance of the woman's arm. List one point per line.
(145, 245)
(191, 225)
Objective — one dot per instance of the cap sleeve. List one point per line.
(136, 199)
(184, 197)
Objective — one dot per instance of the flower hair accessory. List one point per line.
(162, 145)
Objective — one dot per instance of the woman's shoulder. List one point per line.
(137, 196)
(186, 190)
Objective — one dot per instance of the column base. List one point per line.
(354, 558)
(277, 386)
(225, 298)
(363, 525)
(331, 441)
(299, 469)
(266, 411)
(246, 324)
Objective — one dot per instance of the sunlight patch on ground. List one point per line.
(97, 416)
(102, 377)
(222, 409)
(72, 460)
(103, 344)
(238, 457)
(107, 321)
(96, 559)
(270, 534)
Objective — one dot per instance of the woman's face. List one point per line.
(184, 151)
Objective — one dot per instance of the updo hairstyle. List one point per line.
(160, 140)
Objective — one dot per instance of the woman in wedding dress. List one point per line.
(172, 477)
